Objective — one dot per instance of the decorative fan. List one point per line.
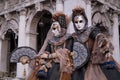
(23, 54)
(80, 55)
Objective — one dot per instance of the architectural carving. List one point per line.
(33, 17)
(29, 12)
(12, 2)
(19, 6)
(104, 8)
(29, 18)
(104, 19)
(10, 24)
(38, 6)
(2, 5)
(114, 2)
(1, 20)
(7, 16)
(111, 4)
(50, 7)
(103, 15)
(88, 1)
(23, 11)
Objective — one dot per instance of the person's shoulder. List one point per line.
(69, 36)
(90, 28)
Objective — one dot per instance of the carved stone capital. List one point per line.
(116, 12)
(38, 6)
(88, 1)
(11, 24)
(104, 8)
(7, 16)
(23, 11)
(59, 1)
(1, 20)
(115, 16)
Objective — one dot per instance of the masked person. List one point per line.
(58, 51)
(81, 37)
(98, 63)
(101, 64)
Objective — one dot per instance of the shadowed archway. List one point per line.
(38, 26)
(43, 27)
(12, 43)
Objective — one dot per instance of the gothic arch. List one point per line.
(8, 34)
(103, 18)
(9, 24)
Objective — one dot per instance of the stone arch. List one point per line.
(32, 21)
(9, 24)
(32, 27)
(103, 18)
(8, 34)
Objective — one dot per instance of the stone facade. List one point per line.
(21, 17)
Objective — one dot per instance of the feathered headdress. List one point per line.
(61, 18)
(78, 11)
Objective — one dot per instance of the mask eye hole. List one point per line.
(76, 21)
(80, 21)
(54, 28)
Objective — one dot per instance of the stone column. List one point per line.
(3, 55)
(89, 12)
(22, 42)
(31, 39)
(59, 5)
(116, 53)
(0, 54)
(22, 23)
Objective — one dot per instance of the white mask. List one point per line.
(79, 22)
(56, 29)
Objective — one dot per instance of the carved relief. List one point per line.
(29, 16)
(102, 14)
(50, 6)
(38, 6)
(10, 24)
(29, 13)
(114, 2)
(33, 16)
(12, 2)
(2, 5)
(10, 21)
(1, 20)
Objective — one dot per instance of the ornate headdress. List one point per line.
(61, 18)
(79, 11)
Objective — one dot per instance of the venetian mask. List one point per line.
(56, 29)
(79, 22)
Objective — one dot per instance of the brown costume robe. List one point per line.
(102, 53)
